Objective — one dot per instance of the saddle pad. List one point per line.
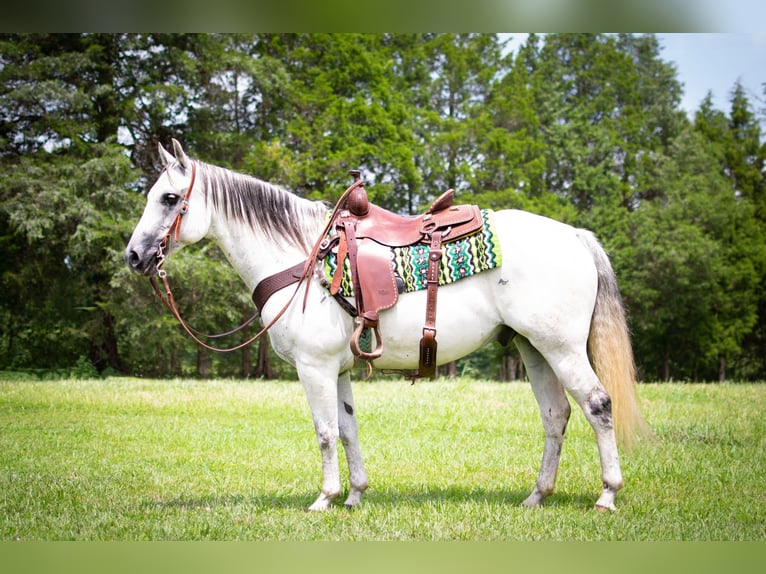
(460, 259)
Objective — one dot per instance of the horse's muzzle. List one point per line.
(142, 265)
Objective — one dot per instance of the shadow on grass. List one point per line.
(472, 495)
(218, 501)
(373, 498)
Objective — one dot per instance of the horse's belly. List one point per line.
(466, 319)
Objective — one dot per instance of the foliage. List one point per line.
(696, 247)
(585, 128)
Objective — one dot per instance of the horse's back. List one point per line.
(543, 231)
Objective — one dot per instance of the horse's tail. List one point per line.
(610, 349)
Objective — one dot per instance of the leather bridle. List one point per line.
(175, 227)
(169, 301)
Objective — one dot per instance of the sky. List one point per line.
(715, 62)
(712, 62)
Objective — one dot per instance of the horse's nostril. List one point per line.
(132, 258)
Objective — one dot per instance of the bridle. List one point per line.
(169, 301)
(175, 227)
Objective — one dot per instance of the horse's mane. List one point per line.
(264, 207)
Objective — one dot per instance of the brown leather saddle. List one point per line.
(365, 234)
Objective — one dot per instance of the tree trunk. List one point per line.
(247, 362)
(247, 354)
(263, 368)
(203, 362)
(721, 369)
(175, 364)
(103, 352)
(516, 368)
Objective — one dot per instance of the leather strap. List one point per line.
(366, 319)
(427, 367)
(341, 257)
(170, 303)
(175, 228)
(349, 237)
(185, 202)
(274, 283)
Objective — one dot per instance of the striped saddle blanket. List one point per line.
(460, 259)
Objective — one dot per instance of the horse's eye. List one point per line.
(169, 199)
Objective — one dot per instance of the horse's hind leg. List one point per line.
(576, 374)
(349, 437)
(554, 410)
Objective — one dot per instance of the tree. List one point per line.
(692, 286)
(341, 111)
(63, 194)
(741, 158)
(585, 128)
(64, 217)
(511, 172)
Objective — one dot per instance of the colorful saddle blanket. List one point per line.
(460, 259)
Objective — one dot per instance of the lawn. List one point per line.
(128, 459)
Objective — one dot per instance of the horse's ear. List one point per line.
(180, 154)
(165, 156)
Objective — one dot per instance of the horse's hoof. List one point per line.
(320, 504)
(534, 500)
(605, 502)
(604, 509)
(351, 504)
(354, 499)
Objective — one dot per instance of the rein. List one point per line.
(169, 301)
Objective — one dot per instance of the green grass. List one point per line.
(125, 459)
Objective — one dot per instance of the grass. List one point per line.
(126, 459)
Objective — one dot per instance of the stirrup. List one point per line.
(361, 325)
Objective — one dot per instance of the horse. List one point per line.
(555, 289)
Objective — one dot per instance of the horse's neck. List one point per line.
(255, 255)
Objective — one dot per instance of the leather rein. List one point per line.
(169, 301)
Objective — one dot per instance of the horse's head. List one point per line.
(174, 213)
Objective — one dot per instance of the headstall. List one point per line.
(169, 301)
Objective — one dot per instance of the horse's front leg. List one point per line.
(322, 393)
(349, 437)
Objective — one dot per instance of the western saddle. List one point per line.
(365, 234)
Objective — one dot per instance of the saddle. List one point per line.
(365, 234)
